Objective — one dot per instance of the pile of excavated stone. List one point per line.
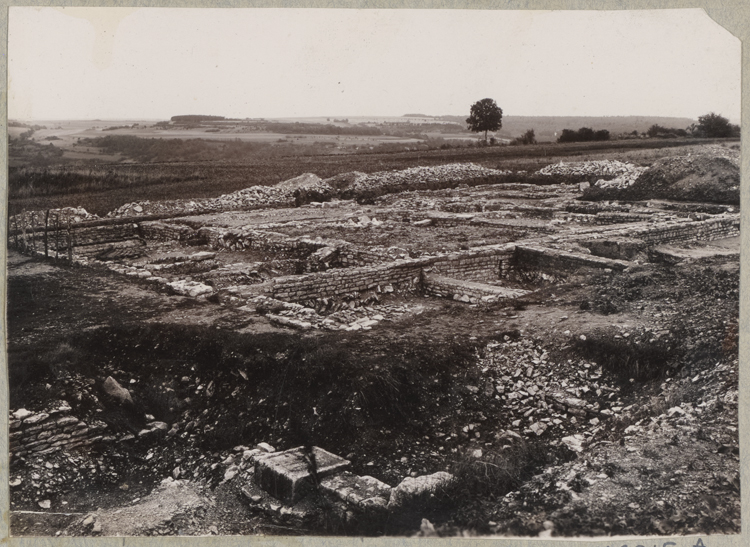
(422, 176)
(599, 168)
(622, 181)
(281, 195)
(541, 396)
(591, 487)
(297, 316)
(284, 194)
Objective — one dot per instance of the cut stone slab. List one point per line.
(287, 475)
(363, 492)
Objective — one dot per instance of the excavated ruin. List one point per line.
(305, 259)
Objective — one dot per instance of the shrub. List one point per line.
(584, 134)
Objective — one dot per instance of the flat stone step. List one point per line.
(287, 475)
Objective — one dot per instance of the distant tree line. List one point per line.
(584, 134)
(321, 129)
(196, 118)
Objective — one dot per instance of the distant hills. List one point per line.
(546, 128)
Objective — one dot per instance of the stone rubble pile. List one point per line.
(281, 195)
(29, 219)
(438, 174)
(621, 181)
(583, 480)
(613, 168)
(569, 400)
(297, 316)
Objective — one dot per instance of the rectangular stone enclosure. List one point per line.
(287, 475)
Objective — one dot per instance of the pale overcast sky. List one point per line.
(153, 63)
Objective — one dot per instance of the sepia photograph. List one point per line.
(413, 273)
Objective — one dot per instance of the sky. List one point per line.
(154, 63)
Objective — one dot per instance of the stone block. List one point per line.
(363, 492)
(287, 475)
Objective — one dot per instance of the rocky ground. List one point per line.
(601, 403)
(538, 375)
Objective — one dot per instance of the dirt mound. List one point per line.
(713, 175)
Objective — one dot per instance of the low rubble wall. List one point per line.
(620, 218)
(346, 255)
(705, 230)
(79, 236)
(43, 433)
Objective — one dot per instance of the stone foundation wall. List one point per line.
(43, 433)
(346, 254)
(343, 281)
(555, 261)
(475, 266)
(485, 264)
(620, 218)
(163, 231)
(674, 232)
(658, 233)
(467, 291)
(81, 236)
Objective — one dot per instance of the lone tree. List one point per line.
(485, 116)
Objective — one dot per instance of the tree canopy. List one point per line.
(485, 116)
(716, 126)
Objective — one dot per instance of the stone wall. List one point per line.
(468, 291)
(476, 265)
(483, 264)
(343, 281)
(333, 253)
(543, 259)
(658, 233)
(79, 236)
(675, 231)
(46, 432)
(163, 231)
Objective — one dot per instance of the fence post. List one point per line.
(70, 242)
(57, 236)
(33, 233)
(15, 231)
(46, 225)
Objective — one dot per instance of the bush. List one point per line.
(584, 134)
(526, 138)
(715, 126)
